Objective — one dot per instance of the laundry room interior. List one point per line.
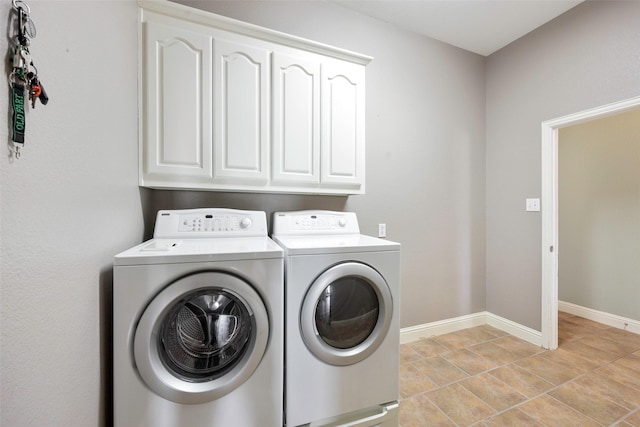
(453, 151)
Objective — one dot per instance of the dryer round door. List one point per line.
(346, 313)
(201, 337)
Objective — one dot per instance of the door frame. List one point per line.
(549, 196)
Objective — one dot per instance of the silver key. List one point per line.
(18, 60)
(26, 58)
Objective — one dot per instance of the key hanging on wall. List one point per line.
(24, 83)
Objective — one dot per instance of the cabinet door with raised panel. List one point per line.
(342, 121)
(296, 120)
(175, 111)
(241, 116)
(229, 106)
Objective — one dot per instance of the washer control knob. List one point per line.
(245, 223)
(342, 222)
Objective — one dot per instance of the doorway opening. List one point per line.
(549, 199)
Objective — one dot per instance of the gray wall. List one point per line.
(68, 205)
(588, 57)
(425, 152)
(599, 214)
(72, 201)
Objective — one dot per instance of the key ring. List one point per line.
(17, 3)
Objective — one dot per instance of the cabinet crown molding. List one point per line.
(203, 17)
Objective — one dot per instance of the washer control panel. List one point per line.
(319, 222)
(206, 223)
(315, 222)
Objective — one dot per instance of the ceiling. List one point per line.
(480, 26)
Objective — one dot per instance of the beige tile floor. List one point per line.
(484, 377)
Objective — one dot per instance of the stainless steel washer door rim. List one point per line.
(148, 353)
(365, 341)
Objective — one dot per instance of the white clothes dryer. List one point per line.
(342, 335)
(198, 323)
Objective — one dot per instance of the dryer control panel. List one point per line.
(209, 223)
(315, 223)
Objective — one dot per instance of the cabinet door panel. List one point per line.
(342, 143)
(178, 139)
(296, 120)
(241, 118)
(343, 125)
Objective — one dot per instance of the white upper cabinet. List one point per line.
(230, 106)
(175, 125)
(296, 121)
(342, 125)
(241, 118)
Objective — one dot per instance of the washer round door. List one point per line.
(346, 313)
(201, 337)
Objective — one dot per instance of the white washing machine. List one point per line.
(198, 323)
(342, 334)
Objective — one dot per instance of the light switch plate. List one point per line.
(533, 205)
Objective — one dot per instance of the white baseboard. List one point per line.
(427, 330)
(441, 327)
(608, 319)
(517, 330)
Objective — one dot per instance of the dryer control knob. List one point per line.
(342, 222)
(245, 223)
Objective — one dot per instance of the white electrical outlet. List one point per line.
(532, 205)
(382, 230)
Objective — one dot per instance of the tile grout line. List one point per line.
(549, 391)
(514, 362)
(443, 412)
(529, 399)
(552, 389)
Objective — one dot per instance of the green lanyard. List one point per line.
(23, 80)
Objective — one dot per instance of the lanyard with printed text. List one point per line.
(23, 81)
